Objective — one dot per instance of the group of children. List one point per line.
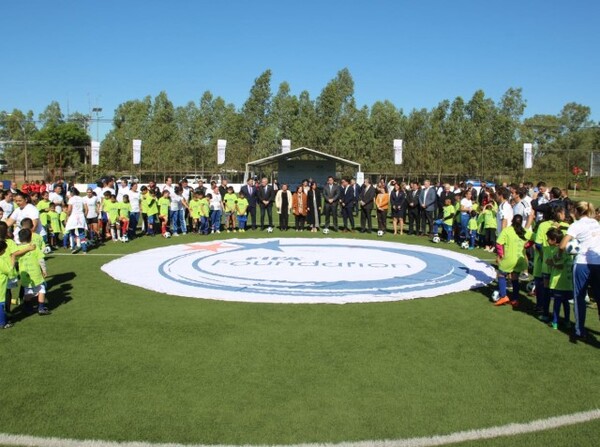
(205, 211)
(22, 272)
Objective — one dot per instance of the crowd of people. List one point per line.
(529, 227)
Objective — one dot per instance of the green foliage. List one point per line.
(455, 139)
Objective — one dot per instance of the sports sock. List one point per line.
(502, 286)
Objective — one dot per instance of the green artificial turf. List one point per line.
(117, 362)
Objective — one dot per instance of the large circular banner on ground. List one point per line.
(291, 270)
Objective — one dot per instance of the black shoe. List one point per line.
(44, 312)
(7, 326)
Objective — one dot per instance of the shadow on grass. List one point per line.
(58, 292)
(527, 306)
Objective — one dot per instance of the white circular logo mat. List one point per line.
(291, 270)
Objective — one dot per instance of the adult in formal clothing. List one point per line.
(250, 192)
(300, 208)
(331, 197)
(365, 200)
(412, 205)
(398, 206)
(427, 203)
(283, 203)
(314, 207)
(356, 188)
(382, 202)
(265, 195)
(348, 200)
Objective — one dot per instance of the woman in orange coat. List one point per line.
(382, 201)
(299, 207)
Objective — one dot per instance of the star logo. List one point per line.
(214, 247)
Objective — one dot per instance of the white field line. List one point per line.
(428, 441)
(80, 254)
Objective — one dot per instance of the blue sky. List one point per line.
(415, 53)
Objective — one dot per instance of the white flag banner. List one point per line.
(360, 178)
(398, 152)
(137, 152)
(221, 145)
(95, 154)
(286, 146)
(528, 155)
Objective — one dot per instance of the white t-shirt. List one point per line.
(176, 202)
(8, 207)
(466, 203)
(91, 203)
(587, 232)
(215, 202)
(57, 199)
(122, 191)
(505, 211)
(186, 193)
(27, 211)
(134, 199)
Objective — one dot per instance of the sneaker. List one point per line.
(502, 301)
(544, 318)
(229, 231)
(75, 250)
(175, 234)
(44, 312)
(524, 276)
(451, 241)
(555, 326)
(7, 326)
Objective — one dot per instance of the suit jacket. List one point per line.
(331, 192)
(412, 199)
(265, 194)
(367, 196)
(348, 197)
(252, 198)
(428, 197)
(398, 199)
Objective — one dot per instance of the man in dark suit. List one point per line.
(331, 197)
(356, 189)
(250, 192)
(265, 195)
(412, 199)
(348, 201)
(365, 200)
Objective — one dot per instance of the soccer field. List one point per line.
(120, 363)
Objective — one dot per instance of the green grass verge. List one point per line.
(120, 363)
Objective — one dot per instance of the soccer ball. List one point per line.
(270, 230)
(573, 247)
(495, 296)
(167, 235)
(464, 245)
(47, 250)
(124, 239)
(436, 239)
(380, 233)
(325, 230)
